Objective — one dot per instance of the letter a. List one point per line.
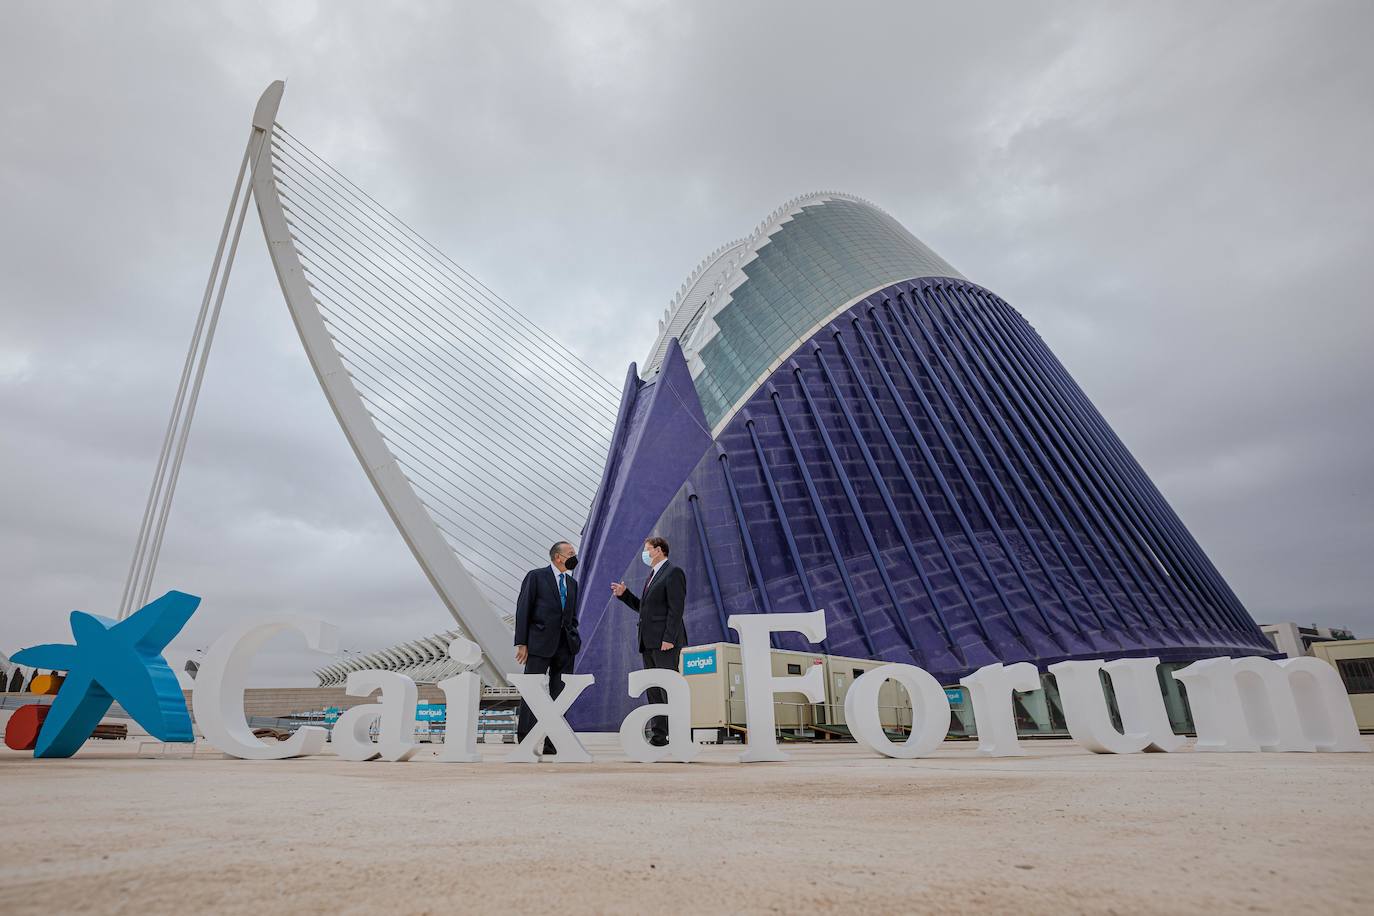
(678, 709)
(394, 716)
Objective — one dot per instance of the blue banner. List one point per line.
(703, 662)
(430, 712)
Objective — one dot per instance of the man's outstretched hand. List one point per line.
(617, 588)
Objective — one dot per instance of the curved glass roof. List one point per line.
(751, 303)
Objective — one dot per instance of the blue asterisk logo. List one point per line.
(115, 661)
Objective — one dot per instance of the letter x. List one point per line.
(115, 660)
(548, 713)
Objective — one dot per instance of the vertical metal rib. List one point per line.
(884, 493)
(938, 473)
(855, 506)
(694, 502)
(1014, 410)
(1065, 529)
(823, 520)
(750, 555)
(1160, 520)
(1120, 503)
(792, 551)
(1007, 503)
(1079, 477)
(952, 449)
(927, 512)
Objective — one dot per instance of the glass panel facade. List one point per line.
(825, 255)
(1040, 713)
(960, 713)
(1175, 699)
(1358, 674)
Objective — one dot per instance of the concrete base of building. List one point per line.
(1059, 831)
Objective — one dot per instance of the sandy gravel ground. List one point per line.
(835, 829)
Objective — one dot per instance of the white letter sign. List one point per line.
(217, 697)
(549, 721)
(1144, 721)
(929, 711)
(1252, 704)
(678, 709)
(990, 690)
(462, 698)
(394, 715)
(760, 684)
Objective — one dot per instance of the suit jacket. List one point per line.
(660, 610)
(540, 617)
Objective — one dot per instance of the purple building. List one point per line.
(834, 417)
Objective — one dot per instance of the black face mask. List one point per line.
(570, 564)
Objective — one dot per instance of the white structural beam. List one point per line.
(455, 585)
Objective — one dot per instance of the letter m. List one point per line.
(1253, 704)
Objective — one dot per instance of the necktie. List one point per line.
(563, 589)
(649, 581)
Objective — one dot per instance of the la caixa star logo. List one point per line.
(110, 661)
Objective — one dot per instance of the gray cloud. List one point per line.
(1177, 196)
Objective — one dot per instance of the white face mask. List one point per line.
(648, 560)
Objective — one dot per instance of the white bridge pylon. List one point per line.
(446, 393)
(483, 435)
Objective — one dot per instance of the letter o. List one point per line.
(929, 711)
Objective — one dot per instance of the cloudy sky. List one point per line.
(1178, 196)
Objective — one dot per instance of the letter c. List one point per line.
(217, 697)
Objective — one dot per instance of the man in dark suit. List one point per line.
(546, 637)
(661, 631)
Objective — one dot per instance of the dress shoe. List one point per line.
(658, 741)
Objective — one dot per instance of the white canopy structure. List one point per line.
(443, 390)
(425, 661)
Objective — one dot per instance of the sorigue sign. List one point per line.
(1241, 704)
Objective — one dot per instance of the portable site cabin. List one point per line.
(715, 674)
(894, 706)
